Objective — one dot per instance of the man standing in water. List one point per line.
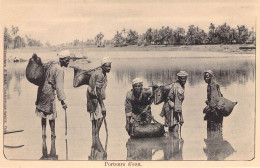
(216, 148)
(137, 104)
(96, 96)
(172, 108)
(214, 119)
(45, 103)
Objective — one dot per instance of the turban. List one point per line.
(137, 80)
(105, 60)
(64, 53)
(182, 74)
(208, 71)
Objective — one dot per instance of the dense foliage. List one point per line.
(222, 34)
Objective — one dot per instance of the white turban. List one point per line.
(182, 74)
(137, 80)
(105, 60)
(64, 53)
(209, 72)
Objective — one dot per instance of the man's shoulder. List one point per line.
(129, 94)
(98, 69)
(176, 85)
(56, 67)
(214, 84)
(53, 66)
(98, 72)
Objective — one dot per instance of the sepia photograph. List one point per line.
(116, 83)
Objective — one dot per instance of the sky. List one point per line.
(62, 21)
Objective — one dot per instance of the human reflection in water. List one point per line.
(18, 77)
(7, 78)
(145, 148)
(174, 146)
(142, 149)
(97, 150)
(216, 147)
(52, 155)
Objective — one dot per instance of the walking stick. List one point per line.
(180, 132)
(66, 149)
(105, 121)
(66, 134)
(65, 123)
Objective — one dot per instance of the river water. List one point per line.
(235, 75)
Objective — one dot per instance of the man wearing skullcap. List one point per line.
(214, 119)
(172, 108)
(45, 103)
(137, 104)
(95, 97)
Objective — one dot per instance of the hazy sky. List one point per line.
(63, 21)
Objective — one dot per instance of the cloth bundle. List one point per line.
(81, 77)
(147, 131)
(161, 93)
(35, 70)
(223, 107)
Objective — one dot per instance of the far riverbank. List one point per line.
(202, 48)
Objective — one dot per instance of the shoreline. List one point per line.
(200, 48)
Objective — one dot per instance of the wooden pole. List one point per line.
(65, 123)
(105, 121)
(66, 134)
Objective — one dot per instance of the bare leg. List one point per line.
(53, 137)
(170, 129)
(101, 149)
(94, 123)
(174, 135)
(93, 147)
(174, 128)
(44, 146)
(98, 126)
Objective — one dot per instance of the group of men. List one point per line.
(139, 99)
(137, 103)
(54, 82)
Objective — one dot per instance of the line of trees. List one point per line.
(13, 40)
(222, 34)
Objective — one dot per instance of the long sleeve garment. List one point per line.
(134, 106)
(97, 80)
(54, 81)
(173, 115)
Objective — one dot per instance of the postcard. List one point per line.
(129, 83)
